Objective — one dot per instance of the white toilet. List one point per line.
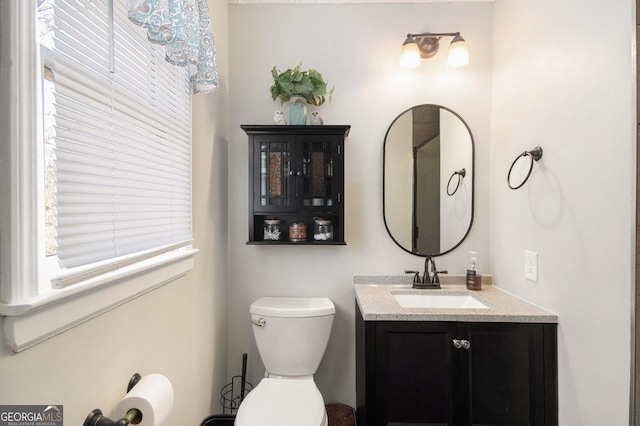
(292, 334)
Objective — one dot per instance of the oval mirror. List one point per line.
(428, 169)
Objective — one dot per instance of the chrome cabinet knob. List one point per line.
(460, 343)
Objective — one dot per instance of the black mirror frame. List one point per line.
(473, 181)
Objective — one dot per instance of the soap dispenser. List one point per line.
(474, 279)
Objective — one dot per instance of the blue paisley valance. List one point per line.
(183, 27)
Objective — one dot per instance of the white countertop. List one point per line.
(374, 295)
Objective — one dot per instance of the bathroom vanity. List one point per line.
(425, 365)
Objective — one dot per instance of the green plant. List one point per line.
(295, 82)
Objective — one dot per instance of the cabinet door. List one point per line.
(416, 376)
(320, 182)
(274, 173)
(504, 366)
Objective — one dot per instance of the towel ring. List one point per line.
(534, 155)
(461, 173)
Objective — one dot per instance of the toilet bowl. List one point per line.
(292, 335)
(280, 402)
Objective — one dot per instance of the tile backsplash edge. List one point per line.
(390, 279)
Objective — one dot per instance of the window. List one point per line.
(106, 180)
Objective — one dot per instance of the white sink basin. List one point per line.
(439, 301)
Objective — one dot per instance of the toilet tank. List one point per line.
(292, 333)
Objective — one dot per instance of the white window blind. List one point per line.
(122, 141)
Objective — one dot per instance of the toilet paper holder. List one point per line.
(133, 416)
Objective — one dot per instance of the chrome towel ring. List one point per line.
(534, 155)
(461, 173)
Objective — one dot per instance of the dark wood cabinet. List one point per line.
(455, 373)
(296, 174)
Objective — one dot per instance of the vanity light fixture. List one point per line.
(426, 45)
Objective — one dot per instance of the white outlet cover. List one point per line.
(531, 265)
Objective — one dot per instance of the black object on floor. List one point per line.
(233, 393)
(219, 420)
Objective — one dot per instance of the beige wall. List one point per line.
(178, 330)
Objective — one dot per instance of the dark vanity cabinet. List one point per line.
(455, 373)
(296, 175)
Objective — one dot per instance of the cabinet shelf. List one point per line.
(296, 174)
(275, 129)
(296, 243)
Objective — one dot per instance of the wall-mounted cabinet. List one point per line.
(296, 184)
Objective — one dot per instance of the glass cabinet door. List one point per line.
(274, 185)
(297, 175)
(318, 184)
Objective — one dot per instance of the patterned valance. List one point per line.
(183, 27)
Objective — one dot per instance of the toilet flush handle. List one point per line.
(260, 323)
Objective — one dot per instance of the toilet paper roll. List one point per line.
(152, 396)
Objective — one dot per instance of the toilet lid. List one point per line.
(282, 402)
(293, 307)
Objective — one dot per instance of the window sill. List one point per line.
(27, 324)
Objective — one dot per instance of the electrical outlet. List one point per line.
(531, 265)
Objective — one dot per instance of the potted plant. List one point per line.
(299, 88)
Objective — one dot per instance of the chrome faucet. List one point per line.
(427, 281)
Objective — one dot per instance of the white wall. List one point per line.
(178, 330)
(564, 78)
(355, 47)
